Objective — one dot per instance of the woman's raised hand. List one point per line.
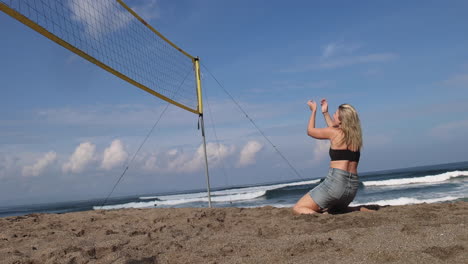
(324, 104)
(312, 105)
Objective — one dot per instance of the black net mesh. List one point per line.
(106, 31)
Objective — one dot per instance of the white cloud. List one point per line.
(216, 152)
(182, 162)
(114, 155)
(329, 50)
(187, 163)
(122, 117)
(72, 58)
(84, 154)
(286, 87)
(150, 162)
(248, 153)
(352, 60)
(450, 130)
(329, 63)
(8, 166)
(113, 115)
(458, 80)
(372, 72)
(379, 140)
(37, 168)
(335, 48)
(338, 55)
(320, 150)
(148, 10)
(172, 152)
(95, 16)
(178, 160)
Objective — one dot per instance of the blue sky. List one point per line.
(67, 127)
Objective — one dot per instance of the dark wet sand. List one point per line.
(426, 233)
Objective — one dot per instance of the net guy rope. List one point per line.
(296, 172)
(138, 150)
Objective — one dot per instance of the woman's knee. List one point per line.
(303, 210)
(306, 204)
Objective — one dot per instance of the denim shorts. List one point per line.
(337, 191)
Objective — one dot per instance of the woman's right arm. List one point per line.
(325, 113)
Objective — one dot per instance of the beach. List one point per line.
(423, 233)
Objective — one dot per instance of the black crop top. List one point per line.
(344, 154)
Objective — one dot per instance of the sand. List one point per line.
(425, 233)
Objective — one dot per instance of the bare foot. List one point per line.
(364, 209)
(367, 208)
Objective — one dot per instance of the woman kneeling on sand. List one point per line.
(340, 186)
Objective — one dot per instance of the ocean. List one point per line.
(426, 184)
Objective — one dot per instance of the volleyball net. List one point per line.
(111, 35)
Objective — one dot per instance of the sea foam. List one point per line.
(408, 200)
(230, 193)
(426, 179)
(223, 196)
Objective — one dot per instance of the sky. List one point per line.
(69, 128)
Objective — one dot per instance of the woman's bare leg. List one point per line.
(306, 205)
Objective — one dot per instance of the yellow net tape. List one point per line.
(111, 35)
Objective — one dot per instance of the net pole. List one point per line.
(206, 161)
(196, 62)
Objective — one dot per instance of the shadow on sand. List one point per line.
(362, 208)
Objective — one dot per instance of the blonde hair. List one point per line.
(351, 126)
